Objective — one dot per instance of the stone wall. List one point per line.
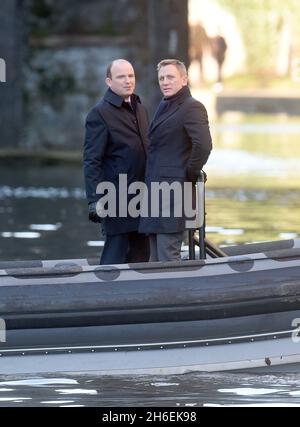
(67, 46)
(11, 90)
(61, 84)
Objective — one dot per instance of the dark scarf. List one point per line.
(166, 103)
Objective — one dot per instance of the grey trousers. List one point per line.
(165, 247)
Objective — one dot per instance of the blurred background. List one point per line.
(244, 66)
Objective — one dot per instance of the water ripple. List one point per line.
(41, 192)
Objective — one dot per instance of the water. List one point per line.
(188, 390)
(253, 194)
(43, 214)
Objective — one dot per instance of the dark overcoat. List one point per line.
(179, 146)
(115, 143)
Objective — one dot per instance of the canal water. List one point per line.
(187, 390)
(252, 194)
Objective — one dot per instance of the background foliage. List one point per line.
(260, 23)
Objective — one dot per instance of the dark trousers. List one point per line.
(125, 248)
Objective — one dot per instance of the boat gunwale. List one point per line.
(73, 268)
(230, 340)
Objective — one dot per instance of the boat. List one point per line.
(238, 311)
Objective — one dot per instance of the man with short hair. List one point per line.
(179, 146)
(116, 143)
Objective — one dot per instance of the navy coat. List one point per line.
(115, 143)
(179, 146)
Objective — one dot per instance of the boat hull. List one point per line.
(233, 313)
(264, 355)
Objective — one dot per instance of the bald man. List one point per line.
(115, 144)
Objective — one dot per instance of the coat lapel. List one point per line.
(116, 101)
(164, 117)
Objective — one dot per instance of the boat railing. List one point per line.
(197, 236)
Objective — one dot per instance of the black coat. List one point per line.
(115, 143)
(179, 146)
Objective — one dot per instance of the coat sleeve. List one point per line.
(96, 139)
(197, 128)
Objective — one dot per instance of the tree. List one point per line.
(260, 22)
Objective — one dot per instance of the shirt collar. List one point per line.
(117, 100)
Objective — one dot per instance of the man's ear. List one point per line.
(108, 81)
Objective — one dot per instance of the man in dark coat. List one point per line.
(115, 145)
(179, 146)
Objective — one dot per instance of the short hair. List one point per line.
(110, 65)
(178, 64)
(108, 69)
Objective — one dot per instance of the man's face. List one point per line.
(122, 80)
(171, 80)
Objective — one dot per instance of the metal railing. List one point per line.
(197, 236)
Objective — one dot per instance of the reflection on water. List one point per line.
(255, 215)
(239, 162)
(253, 194)
(43, 213)
(259, 145)
(188, 390)
(254, 178)
(55, 227)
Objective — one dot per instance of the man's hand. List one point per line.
(193, 177)
(93, 216)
